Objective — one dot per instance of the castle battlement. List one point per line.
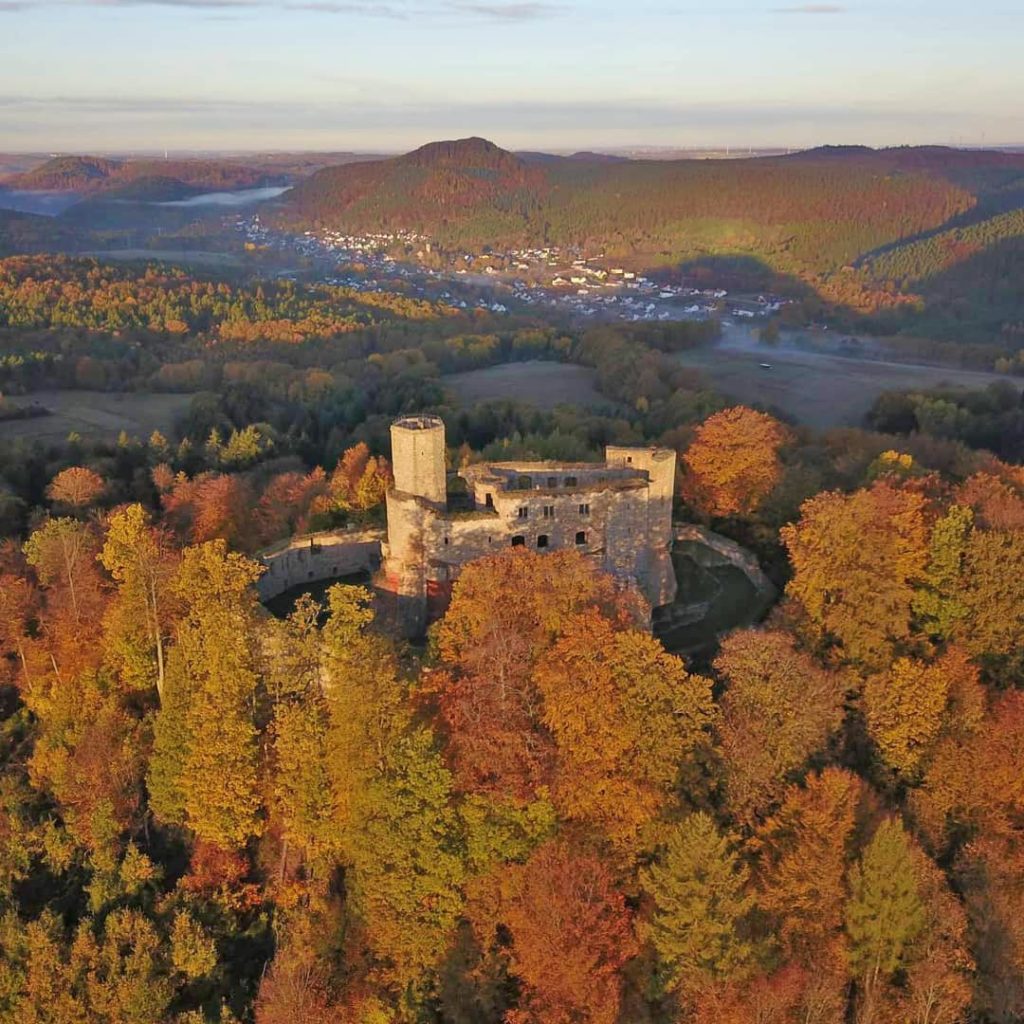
(617, 512)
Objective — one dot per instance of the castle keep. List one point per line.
(618, 513)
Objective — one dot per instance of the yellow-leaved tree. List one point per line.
(203, 772)
(142, 560)
(857, 559)
(398, 832)
(912, 704)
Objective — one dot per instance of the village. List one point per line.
(580, 285)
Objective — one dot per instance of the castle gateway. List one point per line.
(617, 512)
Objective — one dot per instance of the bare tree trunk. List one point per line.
(71, 588)
(284, 861)
(24, 664)
(159, 641)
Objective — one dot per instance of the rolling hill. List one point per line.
(838, 219)
(814, 212)
(89, 175)
(29, 232)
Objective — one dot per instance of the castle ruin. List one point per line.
(617, 513)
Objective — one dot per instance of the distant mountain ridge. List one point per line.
(818, 217)
(473, 193)
(90, 175)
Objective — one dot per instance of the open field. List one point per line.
(819, 389)
(99, 414)
(181, 257)
(536, 382)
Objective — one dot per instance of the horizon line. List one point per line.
(597, 148)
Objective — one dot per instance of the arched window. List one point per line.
(542, 540)
(518, 541)
(581, 537)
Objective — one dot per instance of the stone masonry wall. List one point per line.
(318, 556)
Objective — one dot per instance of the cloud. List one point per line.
(525, 11)
(334, 7)
(812, 9)
(439, 115)
(490, 10)
(88, 123)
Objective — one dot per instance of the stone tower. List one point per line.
(417, 457)
(653, 558)
(419, 496)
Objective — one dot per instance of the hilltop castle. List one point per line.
(617, 512)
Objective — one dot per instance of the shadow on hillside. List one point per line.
(979, 300)
(1000, 192)
(742, 273)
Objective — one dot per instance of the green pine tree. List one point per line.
(884, 913)
(698, 890)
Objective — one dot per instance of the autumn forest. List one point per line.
(541, 815)
(214, 811)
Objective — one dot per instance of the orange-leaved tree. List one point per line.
(570, 934)
(76, 487)
(733, 462)
(779, 710)
(506, 612)
(625, 715)
(803, 854)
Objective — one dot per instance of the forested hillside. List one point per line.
(41, 292)
(28, 232)
(965, 279)
(91, 175)
(210, 815)
(903, 230)
(811, 214)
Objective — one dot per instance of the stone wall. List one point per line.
(731, 552)
(313, 557)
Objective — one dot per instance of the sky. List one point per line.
(363, 75)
